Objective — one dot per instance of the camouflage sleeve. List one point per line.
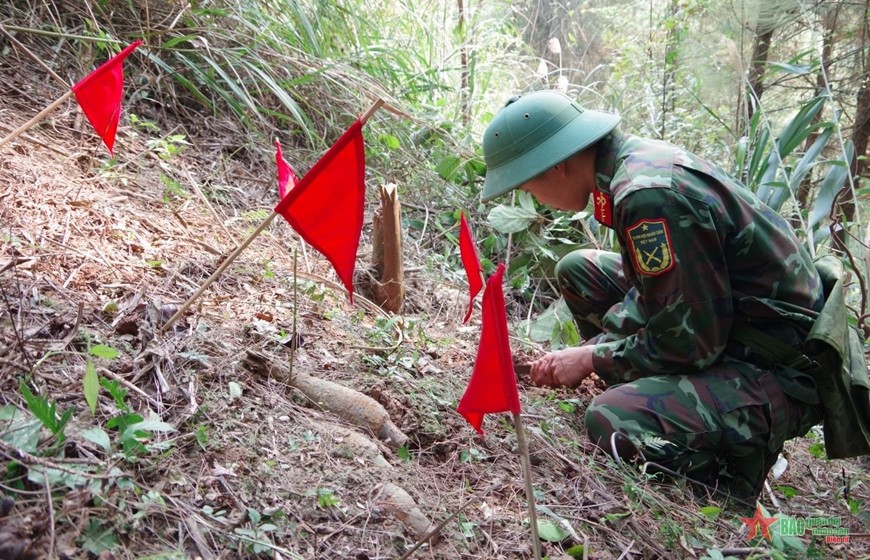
(678, 317)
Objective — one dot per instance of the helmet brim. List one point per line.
(588, 128)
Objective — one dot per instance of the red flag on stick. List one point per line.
(493, 384)
(471, 262)
(99, 95)
(285, 172)
(326, 206)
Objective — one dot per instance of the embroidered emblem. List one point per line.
(603, 208)
(650, 245)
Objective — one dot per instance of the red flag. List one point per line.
(326, 206)
(285, 172)
(99, 95)
(493, 384)
(468, 254)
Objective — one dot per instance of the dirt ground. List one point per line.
(98, 253)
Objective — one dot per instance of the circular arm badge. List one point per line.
(650, 246)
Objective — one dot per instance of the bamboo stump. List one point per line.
(389, 271)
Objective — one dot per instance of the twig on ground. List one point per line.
(626, 551)
(425, 538)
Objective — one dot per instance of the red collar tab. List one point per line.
(603, 208)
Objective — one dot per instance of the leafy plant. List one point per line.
(555, 325)
(258, 533)
(46, 411)
(326, 498)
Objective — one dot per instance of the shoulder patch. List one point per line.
(650, 246)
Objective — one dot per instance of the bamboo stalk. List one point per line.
(527, 478)
(35, 120)
(46, 33)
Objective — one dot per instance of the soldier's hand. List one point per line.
(566, 367)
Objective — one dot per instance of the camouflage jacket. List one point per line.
(700, 251)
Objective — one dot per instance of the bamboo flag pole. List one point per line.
(232, 257)
(527, 477)
(523, 445)
(35, 120)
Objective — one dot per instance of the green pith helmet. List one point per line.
(532, 134)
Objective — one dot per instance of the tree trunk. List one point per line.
(829, 22)
(760, 52)
(465, 71)
(860, 136)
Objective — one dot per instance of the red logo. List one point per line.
(756, 520)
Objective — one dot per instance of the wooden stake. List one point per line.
(375, 106)
(229, 260)
(527, 475)
(35, 120)
(294, 337)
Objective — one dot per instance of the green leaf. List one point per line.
(575, 551)
(567, 406)
(801, 126)
(96, 538)
(549, 322)
(390, 141)
(103, 351)
(467, 528)
(787, 491)
(403, 453)
(97, 436)
(118, 392)
(23, 433)
(9, 412)
(511, 219)
(796, 69)
(817, 450)
(830, 187)
(447, 167)
(711, 512)
(201, 434)
(551, 532)
(526, 201)
(150, 426)
(91, 385)
(808, 160)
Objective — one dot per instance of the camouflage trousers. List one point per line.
(724, 426)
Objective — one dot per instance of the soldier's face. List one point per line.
(566, 186)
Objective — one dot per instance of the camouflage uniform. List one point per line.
(698, 254)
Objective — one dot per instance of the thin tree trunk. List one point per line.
(860, 133)
(465, 71)
(829, 22)
(760, 52)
